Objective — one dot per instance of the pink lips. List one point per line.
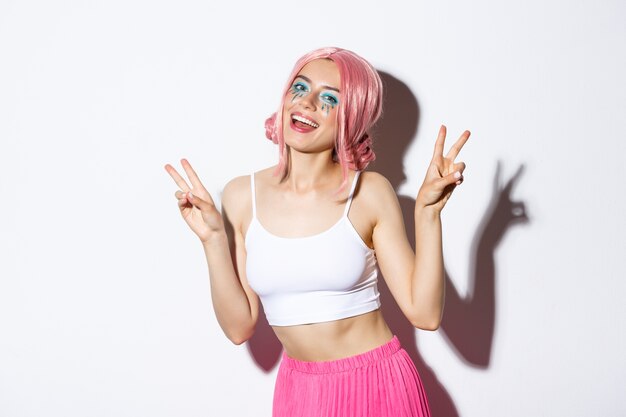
(301, 128)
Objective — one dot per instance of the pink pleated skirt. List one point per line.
(382, 382)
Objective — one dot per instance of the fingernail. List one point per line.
(190, 195)
(457, 174)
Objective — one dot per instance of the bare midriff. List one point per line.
(334, 339)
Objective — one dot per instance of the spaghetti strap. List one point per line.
(253, 191)
(349, 202)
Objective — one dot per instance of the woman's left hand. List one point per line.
(443, 174)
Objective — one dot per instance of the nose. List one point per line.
(308, 102)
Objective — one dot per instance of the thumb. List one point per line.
(454, 178)
(197, 201)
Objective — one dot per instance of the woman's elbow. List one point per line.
(240, 337)
(238, 340)
(430, 324)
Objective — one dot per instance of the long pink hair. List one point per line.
(360, 107)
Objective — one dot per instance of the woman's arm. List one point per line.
(416, 279)
(235, 304)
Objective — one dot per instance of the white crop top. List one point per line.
(328, 276)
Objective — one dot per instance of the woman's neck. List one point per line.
(312, 171)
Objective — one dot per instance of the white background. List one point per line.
(104, 298)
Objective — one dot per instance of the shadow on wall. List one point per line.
(468, 323)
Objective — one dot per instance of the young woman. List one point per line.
(307, 238)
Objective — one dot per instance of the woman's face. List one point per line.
(311, 106)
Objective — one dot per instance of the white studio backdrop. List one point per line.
(104, 296)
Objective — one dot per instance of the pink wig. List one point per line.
(360, 107)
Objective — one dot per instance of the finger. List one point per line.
(183, 202)
(458, 145)
(180, 181)
(454, 178)
(459, 166)
(198, 202)
(441, 139)
(193, 177)
(438, 170)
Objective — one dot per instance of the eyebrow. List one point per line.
(326, 87)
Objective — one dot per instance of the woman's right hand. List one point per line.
(195, 204)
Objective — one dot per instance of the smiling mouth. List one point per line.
(303, 122)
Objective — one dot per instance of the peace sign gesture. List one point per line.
(443, 174)
(195, 204)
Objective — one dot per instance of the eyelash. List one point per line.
(330, 99)
(299, 89)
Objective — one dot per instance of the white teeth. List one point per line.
(305, 121)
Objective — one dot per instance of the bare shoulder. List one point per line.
(236, 200)
(376, 196)
(376, 189)
(235, 189)
(237, 197)
(265, 176)
(376, 180)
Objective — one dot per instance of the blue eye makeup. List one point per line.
(329, 101)
(298, 89)
(300, 86)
